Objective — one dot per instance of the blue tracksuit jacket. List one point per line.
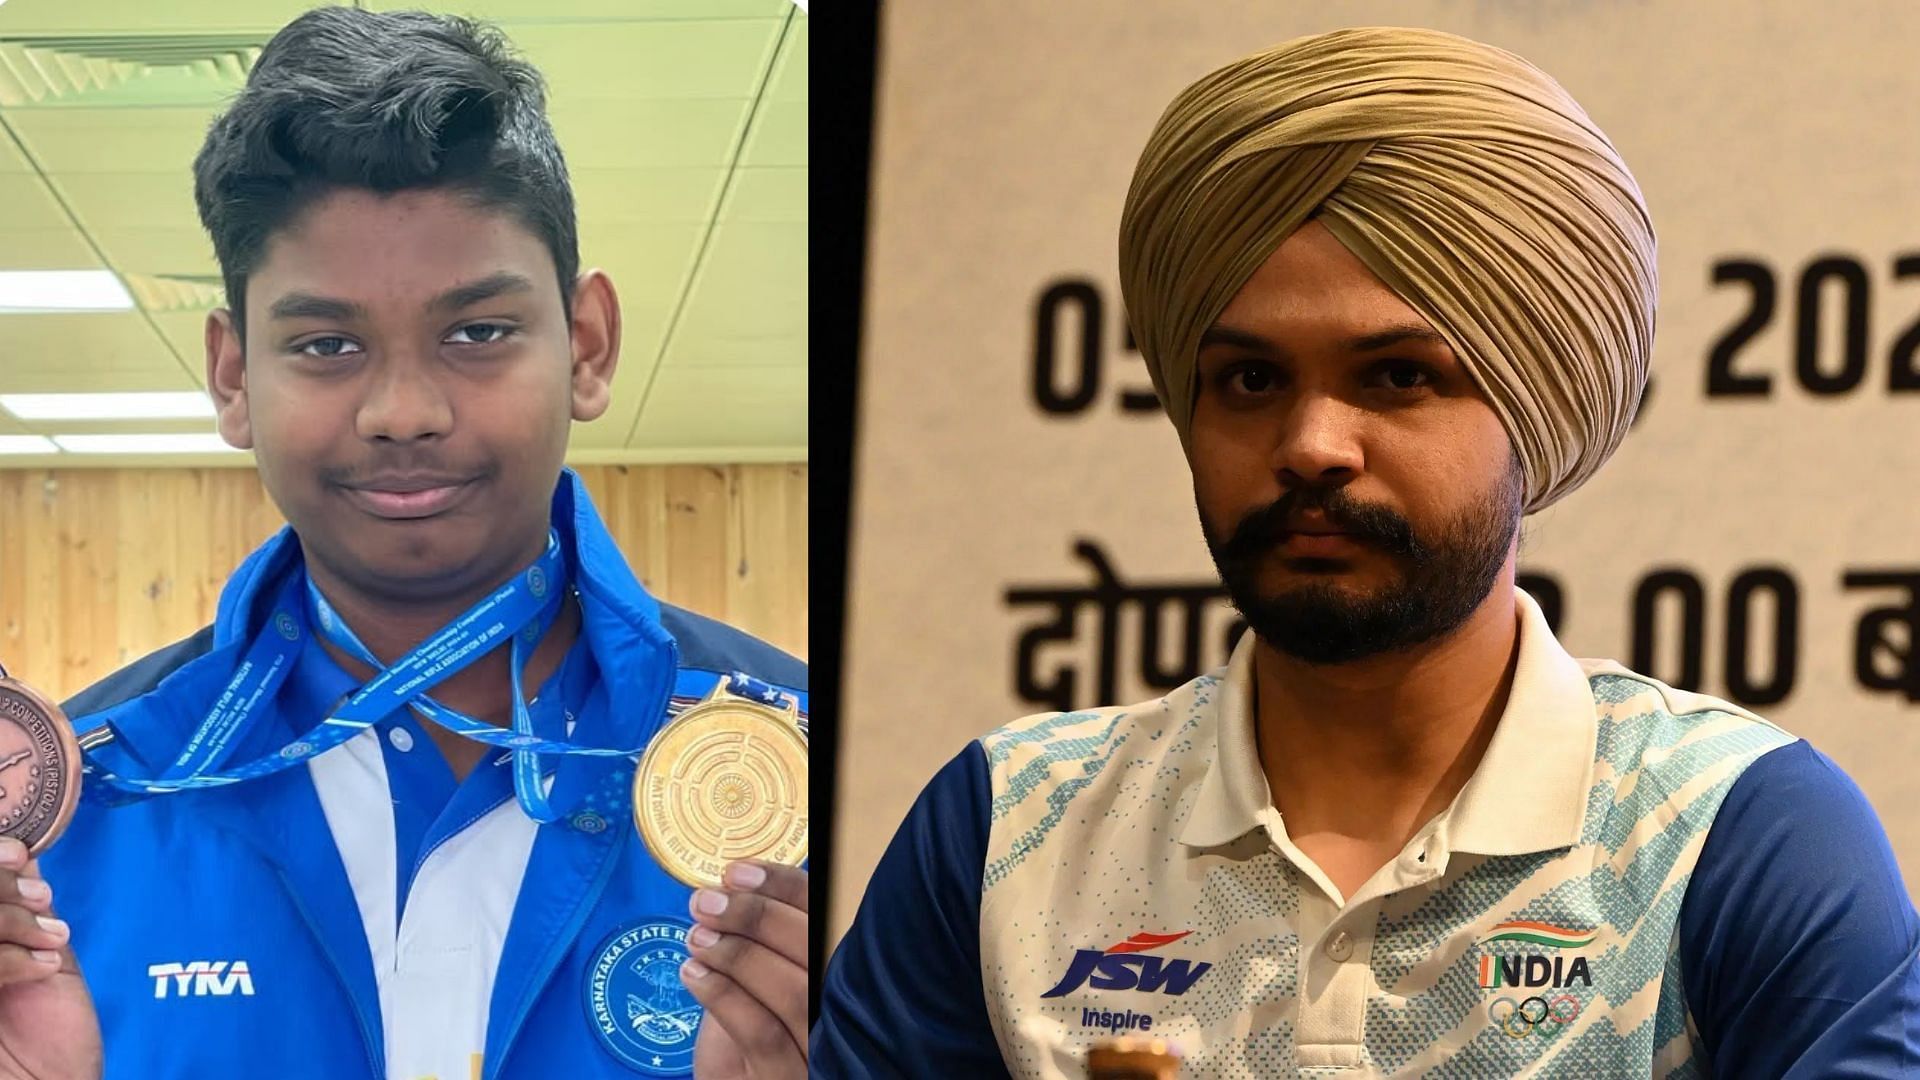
(250, 873)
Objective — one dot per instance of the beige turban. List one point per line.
(1464, 177)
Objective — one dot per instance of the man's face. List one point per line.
(1356, 490)
(407, 385)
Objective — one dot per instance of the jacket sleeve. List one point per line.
(1798, 940)
(902, 996)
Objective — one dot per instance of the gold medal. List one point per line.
(39, 767)
(725, 780)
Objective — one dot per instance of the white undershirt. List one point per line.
(435, 970)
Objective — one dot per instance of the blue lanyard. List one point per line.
(258, 678)
(545, 583)
(524, 608)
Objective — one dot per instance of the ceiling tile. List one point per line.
(156, 140)
(45, 249)
(779, 132)
(104, 200)
(156, 249)
(643, 259)
(751, 284)
(644, 196)
(651, 134)
(643, 322)
(712, 352)
(26, 204)
(186, 332)
(725, 407)
(779, 135)
(649, 265)
(126, 16)
(646, 61)
(789, 79)
(10, 159)
(114, 351)
(767, 195)
(646, 262)
(639, 357)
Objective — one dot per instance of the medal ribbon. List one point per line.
(524, 608)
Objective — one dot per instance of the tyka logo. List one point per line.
(1535, 969)
(1122, 967)
(202, 978)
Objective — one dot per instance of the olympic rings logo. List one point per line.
(1519, 1021)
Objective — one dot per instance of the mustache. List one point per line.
(401, 464)
(1263, 529)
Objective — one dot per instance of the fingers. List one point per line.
(33, 941)
(777, 984)
(787, 884)
(32, 893)
(20, 880)
(767, 1044)
(775, 924)
(749, 963)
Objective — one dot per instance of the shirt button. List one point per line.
(401, 738)
(1340, 947)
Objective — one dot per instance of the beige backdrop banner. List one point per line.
(1024, 533)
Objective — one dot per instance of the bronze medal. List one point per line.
(39, 767)
(725, 780)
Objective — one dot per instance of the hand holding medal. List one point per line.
(48, 1028)
(723, 783)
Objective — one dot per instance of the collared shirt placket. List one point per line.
(1337, 939)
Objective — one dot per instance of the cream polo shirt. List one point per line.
(1528, 795)
(1123, 870)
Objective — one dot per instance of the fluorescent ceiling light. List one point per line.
(30, 291)
(155, 406)
(199, 443)
(26, 444)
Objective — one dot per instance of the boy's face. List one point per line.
(407, 384)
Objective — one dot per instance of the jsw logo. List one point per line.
(1121, 967)
(202, 978)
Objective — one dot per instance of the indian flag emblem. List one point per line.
(1539, 933)
(1531, 969)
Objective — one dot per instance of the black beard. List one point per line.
(1446, 577)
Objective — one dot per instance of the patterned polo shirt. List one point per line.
(1635, 881)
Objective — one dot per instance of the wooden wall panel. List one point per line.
(99, 567)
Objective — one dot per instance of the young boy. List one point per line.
(338, 882)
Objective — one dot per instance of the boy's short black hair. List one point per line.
(382, 101)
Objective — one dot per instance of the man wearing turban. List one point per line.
(1396, 290)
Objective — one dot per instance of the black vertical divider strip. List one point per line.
(841, 113)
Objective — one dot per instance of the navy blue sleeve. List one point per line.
(1798, 942)
(711, 645)
(902, 996)
(138, 677)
